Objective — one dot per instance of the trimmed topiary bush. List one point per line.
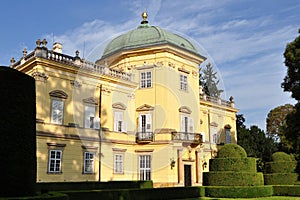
(281, 171)
(232, 151)
(230, 178)
(278, 167)
(233, 164)
(286, 190)
(238, 191)
(280, 178)
(281, 157)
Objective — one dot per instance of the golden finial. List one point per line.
(144, 16)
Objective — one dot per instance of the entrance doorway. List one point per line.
(187, 176)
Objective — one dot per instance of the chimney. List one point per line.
(57, 47)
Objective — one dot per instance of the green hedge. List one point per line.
(281, 156)
(280, 178)
(62, 186)
(286, 190)
(238, 191)
(140, 194)
(233, 164)
(232, 151)
(232, 179)
(281, 167)
(46, 196)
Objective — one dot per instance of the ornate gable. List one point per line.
(119, 105)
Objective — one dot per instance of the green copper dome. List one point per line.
(145, 36)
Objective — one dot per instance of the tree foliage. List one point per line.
(254, 140)
(209, 81)
(291, 81)
(276, 123)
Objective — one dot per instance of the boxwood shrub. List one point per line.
(233, 164)
(232, 178)
(281, 156)
(140, 194)
(238, 191)
(281, 167)
(280, 178)
(232, 151)
(286, 190)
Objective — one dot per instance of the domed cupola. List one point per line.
(146, 35)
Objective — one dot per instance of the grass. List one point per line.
(260, 198)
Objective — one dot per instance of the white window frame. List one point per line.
(118, 163)
(57, 113)
(144, 167)
(183, 82)
(119, 124)
(54, 161)
(215, 137)
(89, 116)
(146, 79)
(88, 162)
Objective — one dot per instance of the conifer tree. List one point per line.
(209, 81)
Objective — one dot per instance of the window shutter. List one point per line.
(148, 122)
(191, 125)
(182, 123)
(118, 117)
(89, 112)
(124, 126)
(140, 123)
(96, 123)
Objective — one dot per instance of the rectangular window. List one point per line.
(89, 158)
(145, 167)
(145, 123)
(119, 124)
(228, 136)
(145, 79)
(89, 116)
(118, 164)
(57, 111)
(183, 82)
(55, 158)
(187, 124)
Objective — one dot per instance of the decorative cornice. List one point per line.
(58, 94)
(119, 149)
(143, 150)
(40, 76)
(76, 83)
(183, 70)
(55, 144)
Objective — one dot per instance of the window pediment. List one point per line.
(185, 109)
(58, 94)
(119, 105)
(145, 107)
(214, 124)
(227, 126)
(90, 100)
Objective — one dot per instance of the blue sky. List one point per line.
(244, 40)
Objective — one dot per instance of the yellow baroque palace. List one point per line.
(137, 113)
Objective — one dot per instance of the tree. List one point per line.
(276, 123)
(209, 81)
(291, 84)
(291, 81)
(255, 141)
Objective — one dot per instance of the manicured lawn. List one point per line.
(261, 198)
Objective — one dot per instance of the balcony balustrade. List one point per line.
(194, 138)
(144, 137)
